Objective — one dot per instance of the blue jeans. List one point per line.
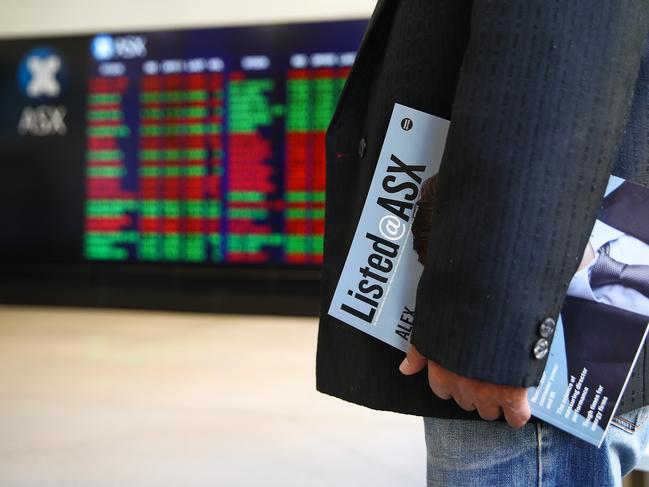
(477, 453)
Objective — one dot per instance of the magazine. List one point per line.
(603, 322)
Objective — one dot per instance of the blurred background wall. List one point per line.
(38, 17)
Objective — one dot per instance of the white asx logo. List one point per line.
(42, 75)
(43, 121)
(43, 71)
(106, 47)
(103, 48)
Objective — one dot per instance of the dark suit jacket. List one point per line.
(539, 96)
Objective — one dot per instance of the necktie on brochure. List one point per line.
(607, 271)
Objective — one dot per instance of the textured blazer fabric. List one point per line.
(546, 99)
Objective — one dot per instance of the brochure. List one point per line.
(603, 322)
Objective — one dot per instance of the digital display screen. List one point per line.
(193, 147)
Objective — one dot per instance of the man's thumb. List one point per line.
(413, 363)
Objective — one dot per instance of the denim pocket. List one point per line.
(631, 421)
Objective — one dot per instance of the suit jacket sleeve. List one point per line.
(539, 109)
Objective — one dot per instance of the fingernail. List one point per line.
(405, 365)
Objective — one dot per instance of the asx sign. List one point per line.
(105, 47)
(42, 78)
(41, 73)
(43, 120)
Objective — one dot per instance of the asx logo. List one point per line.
(105, 47)
(42, 77)
(42, 73)
(43, 121)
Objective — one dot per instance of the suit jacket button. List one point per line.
(362, 147)
(546, 329)
(541, 349)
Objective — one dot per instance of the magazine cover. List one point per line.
(603, 322)
(377, 288)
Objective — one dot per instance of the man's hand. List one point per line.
(491, 400)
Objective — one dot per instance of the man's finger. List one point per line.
(518, 415)
(413, 363)
(489, 413)
(464, 403)
(440, 392)
(464, 398)
(440, 387)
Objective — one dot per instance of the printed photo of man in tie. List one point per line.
(615, 268)
(606, 311)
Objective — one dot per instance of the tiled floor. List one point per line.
(111, 398)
